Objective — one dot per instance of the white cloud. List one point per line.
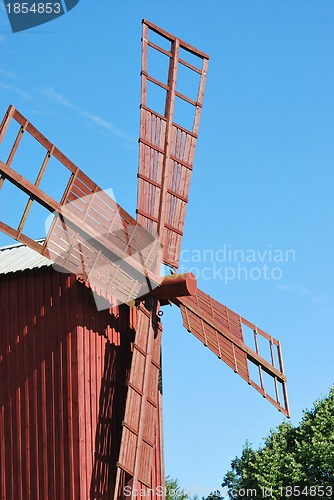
(97, 120)
(301, 290)
(322, 300)
(15, 90)
(3, 20)
(7, 74)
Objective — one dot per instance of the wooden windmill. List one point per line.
(119, 258)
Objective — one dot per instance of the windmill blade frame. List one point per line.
(166, 148)
(141, 444)
(223, 332)
(91, 235)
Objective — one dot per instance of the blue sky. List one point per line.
(263, 178)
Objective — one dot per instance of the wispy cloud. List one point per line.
(16, 90)
(298, 289)
(3, 21)
(323, 300)
(7, 74)
(92, 117)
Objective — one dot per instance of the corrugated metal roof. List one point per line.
(18, 257)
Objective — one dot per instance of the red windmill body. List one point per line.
(80, 400)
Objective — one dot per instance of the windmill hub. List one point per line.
(176, 285)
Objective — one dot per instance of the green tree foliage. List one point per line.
(299, 457)
(215, 495)
(175, 492)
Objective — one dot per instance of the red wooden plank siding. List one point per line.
(63, 370)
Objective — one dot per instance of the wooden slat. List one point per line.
(37, 183)
(52, 347)
(159, 49)
(139, 437)
(6, 121)
(97, 218)
(220, 329)
(162, 198)
(172, 38)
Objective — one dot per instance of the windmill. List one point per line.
(119, 258)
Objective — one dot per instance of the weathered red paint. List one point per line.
(63, 372)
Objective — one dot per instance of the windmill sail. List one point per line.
(224, 333)
(90, 235)
(168, 134)
(165, 165)
(140, 444)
